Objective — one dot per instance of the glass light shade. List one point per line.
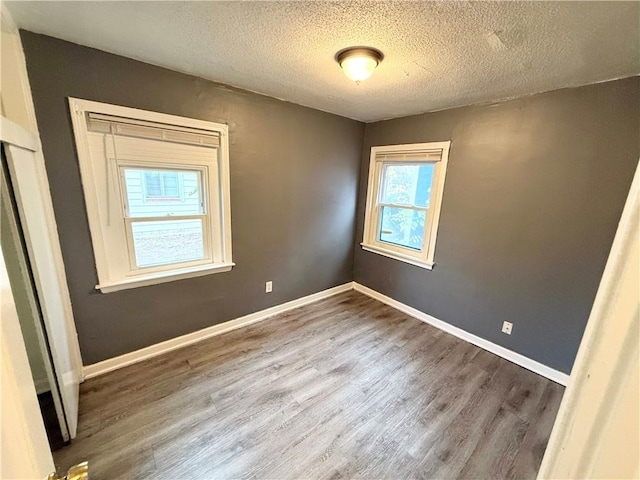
(358, 67)
(359, 63)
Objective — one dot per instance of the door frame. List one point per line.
(44, 254)
(31, 306)
(20, 128)
(25, 451)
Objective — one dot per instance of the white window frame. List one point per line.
(425, 257)
(208, 219)
(215, 191)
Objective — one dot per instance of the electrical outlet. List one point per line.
(506, 327)
(268, 287)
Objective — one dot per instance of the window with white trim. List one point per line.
(404, 196)
(156, 188)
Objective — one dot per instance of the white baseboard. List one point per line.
(518, 359)
(115, 363)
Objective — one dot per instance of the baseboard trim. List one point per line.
(518, 359)
(127, 359)
(146, 353)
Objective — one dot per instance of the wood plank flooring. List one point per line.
(343, 388)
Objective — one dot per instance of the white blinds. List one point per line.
(97, 122)
(425, 156)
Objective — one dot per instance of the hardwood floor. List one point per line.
(344, 388)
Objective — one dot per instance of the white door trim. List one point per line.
(24, 449)
(21, 109)
(24, 276)
(14, 134)
(31, 190)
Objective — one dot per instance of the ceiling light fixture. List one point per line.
(358, 63)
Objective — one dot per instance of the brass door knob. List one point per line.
(77, 472)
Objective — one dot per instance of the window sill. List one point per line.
(163, 277)
(398, 256)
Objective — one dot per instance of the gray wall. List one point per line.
(534, 191)
(294, 177)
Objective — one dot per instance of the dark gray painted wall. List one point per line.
(534, 191)
(294, 177)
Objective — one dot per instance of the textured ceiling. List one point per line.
(437, 54)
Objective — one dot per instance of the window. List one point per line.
(154, 239)
(160, 185)
(404, 195)
(157, 193)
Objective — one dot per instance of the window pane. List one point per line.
(160, 193)
(153, 184)
(402, 226)
(408, 184)
(173, 241)
(170, 184)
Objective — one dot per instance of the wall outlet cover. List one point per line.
(507, 327)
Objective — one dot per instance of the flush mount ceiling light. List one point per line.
(358, 63)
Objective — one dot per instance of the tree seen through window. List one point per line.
(405, 203)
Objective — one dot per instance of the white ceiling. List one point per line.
(437, 54)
